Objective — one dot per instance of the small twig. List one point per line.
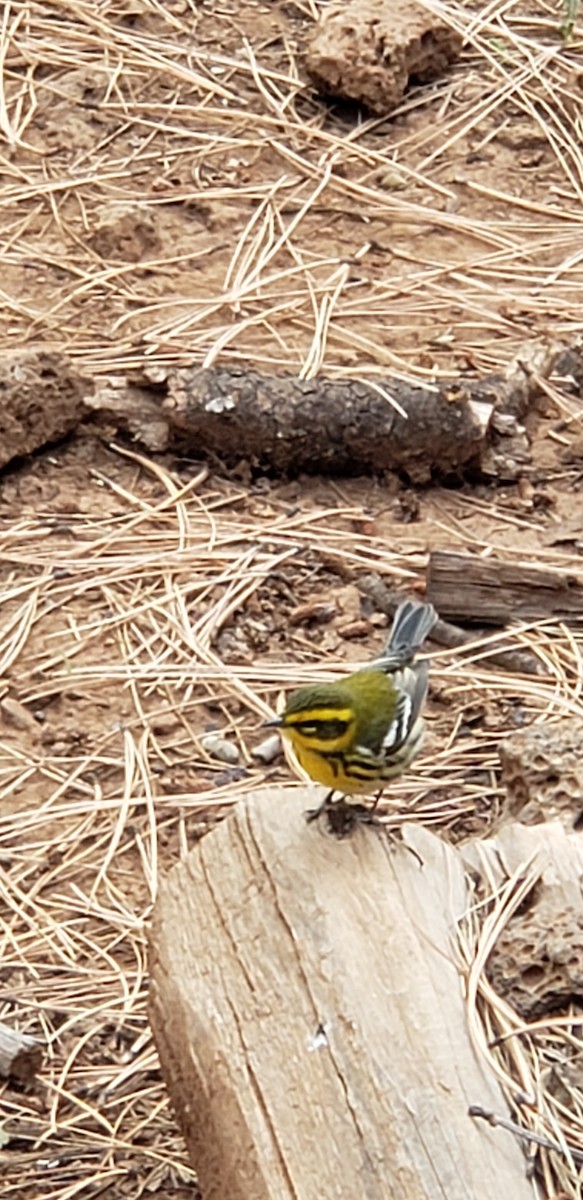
(475, 1110)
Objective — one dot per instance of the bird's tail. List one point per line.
(412, 623)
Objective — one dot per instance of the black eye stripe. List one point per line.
(327, 730)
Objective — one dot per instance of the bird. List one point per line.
(357, 734)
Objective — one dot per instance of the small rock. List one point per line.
(354, 629)
(220, 748)
(543, 773)
(126, 230)
(348, 602)
(18, 716)
(234, 775)
(319, 611)
(268, 749)
(537, 962)
(164, 723)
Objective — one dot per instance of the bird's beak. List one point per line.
(275, 724)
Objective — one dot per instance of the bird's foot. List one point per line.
(342, 815)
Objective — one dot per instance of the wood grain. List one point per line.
(494, 592)
(307, 1006)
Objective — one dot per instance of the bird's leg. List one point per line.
(376, 801)
(395, 835)
(363, 814)
(342, 815)
(313, 813)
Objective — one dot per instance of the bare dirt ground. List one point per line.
(172, 191)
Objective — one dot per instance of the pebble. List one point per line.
(220, 748)
(15, 714)
(268, 749)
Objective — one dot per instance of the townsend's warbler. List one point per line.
(355, 735)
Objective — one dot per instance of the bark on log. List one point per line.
(280, 423)
(307, 1007)
(489, 592)
(284, 424)
(287, 424)
(20, 1055)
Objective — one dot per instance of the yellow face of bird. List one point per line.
(320, 727)
(336, 729)
(318, 733)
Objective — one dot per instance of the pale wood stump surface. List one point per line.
(307, 1005)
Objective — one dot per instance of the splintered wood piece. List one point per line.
(307, 1006)
(20, 1055)
(489, 592)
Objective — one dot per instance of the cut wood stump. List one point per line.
(306, 1001)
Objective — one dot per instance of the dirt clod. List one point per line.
(41, 400)
(371, 51)
(126, 231)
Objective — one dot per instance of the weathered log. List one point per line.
(307, 1006)
(287, 424)
(20, 1055)
(488, 591)
(281, 423)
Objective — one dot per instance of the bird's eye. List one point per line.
(327, 730)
